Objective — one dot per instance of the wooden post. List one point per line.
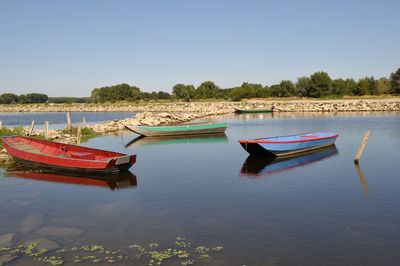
(78, 136)
(362, 146)
(69, 126)
(31, 128)
(46, 128)
(84, 121)
(1, 124)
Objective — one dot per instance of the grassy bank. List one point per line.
(10, 131)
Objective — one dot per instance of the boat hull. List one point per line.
(66, 169)
(181, 130)
(65, 157)
(286, 146)
(252, 111)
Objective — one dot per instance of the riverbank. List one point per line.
(164, 113)
(279, 105)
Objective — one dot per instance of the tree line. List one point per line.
(125, 92)
(317, 85)
(11, 98)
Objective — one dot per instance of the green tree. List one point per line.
(207, 90)
(22, 99)
(95, 96)
(163, 95)
(303, 86)
(36, 98)
(320, 85)
(395, 81)
(185, 92)
(8, 98)
(119, 92)
(134, 94)
(366, 86)
(275, 90)
(287, 88)
(351, 86)
(384, 86)
(339, 88)
(248, 90)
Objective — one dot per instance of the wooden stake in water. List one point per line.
(84, 121)
(69, 125)
(46, 128)
(362, 146)
(78, 136)
(31, 128)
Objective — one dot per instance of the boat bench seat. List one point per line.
(82, 155)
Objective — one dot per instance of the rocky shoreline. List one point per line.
(279, 105)
(179, 112)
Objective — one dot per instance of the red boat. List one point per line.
(66, 157)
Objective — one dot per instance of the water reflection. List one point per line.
(114, 181)
(257, 166)
(254, 116)
(150, 141)
(363, 180)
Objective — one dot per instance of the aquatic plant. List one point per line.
(152, 254)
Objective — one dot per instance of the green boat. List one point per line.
(252, 111)
(179, 130)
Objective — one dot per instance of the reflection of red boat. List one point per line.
(116, 181)
(55, 155)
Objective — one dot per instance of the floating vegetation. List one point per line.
(150, 254)
(33, 250)
(153, 245)
(53, 260)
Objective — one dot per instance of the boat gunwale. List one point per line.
(238, 110)
(183, 126)
(265, 140)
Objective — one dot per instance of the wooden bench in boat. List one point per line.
(82, 155)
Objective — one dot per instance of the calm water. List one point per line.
(58, 120)
(314, 210)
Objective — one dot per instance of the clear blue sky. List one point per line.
(67, 48)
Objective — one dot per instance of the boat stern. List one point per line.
(255, 148)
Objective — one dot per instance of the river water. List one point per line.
(317, 209)
(58, 120)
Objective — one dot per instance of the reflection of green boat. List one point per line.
(149, 141)
(252, 111)
(179, 130)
